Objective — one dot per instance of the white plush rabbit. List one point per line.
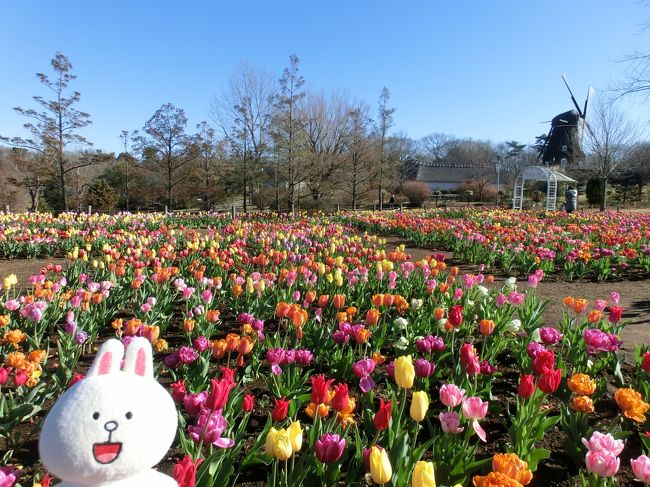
(111, 428)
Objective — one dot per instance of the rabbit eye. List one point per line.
(96, 416)
(129, 415)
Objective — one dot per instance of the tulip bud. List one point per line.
(295, 432)
(423, 475)
(404, 372)
(380, 468)
(282, 447)
(419, 406)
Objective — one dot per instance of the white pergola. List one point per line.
(539, 173)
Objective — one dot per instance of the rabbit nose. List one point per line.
(110, 426)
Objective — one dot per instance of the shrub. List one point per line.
(417, 192)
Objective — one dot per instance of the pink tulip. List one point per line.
(450, 422)
(501, 300)
(641, 468)
(600, 304)
(602, 463)
(329, 448)
(475, 409)
(600, 441)
(516, 298)
(451, 395)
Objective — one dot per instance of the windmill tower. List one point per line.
(563, 145)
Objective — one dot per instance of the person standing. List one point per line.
(571, 197)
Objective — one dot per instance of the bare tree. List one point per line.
(610, 137)
(327, 132)
(403, 150)
(168, 148)
(356, 174)
(243, 114)
(384, 123)
(288, 125)
(437, 145)
(479, 157)
(54, 128)
(31, 173)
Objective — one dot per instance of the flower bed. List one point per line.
(298, 351)
(600, 246)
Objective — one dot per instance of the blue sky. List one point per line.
(480, 69)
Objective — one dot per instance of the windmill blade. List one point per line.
(573, 98)
(590, 92)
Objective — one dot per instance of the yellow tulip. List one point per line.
(419, 406)
(404, 372)
(269, 444)
(296, 436)
(282, 447)
(380, 469)
(10, 281)
(423, 475)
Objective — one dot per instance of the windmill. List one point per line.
(563, 145)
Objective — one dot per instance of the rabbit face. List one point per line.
(111, 424)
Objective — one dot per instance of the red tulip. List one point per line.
(456, 316)
(526, 385)
(280, 411)
(645, 363)
(185, 471)
(469, 359)
(382, 416)
(341, 397)
(615, 313)
(178, 390)
(4, 375)
(320, 389)
(219, 392)
(544, 362)
(550, 381)
(249, 403)
(20, 377)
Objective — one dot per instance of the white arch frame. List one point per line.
(539, 173)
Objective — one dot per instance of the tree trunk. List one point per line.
(64, 196)
(603, 193)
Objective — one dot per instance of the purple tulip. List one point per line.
(329, 448)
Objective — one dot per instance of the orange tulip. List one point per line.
(582, 384)
(212, 315)
(151, 332)
(511, 465)
(486, 327)
(372, 316)
(579, 305)
(583, 404)
(14, 337)
(439, 313)
(188, 325)
(219, 348)
(310, 296)
(232, 342)
(594, 316)
(568, 301)
(132, 327)
(338, 301)
(282, 309)
(388, 300)
(378, 358)
(245, 346)
(323, 410)
(495, 479)
(4, 320)
(351, 311)
(17, 360)
(323, 300)
(37, 356)
(632, 404)
(378, 300)
(237, 290)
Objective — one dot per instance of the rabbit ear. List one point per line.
(107, 360)
(138, 358)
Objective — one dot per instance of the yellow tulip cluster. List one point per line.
(283, 443)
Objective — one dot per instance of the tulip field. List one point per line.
(303, 350)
